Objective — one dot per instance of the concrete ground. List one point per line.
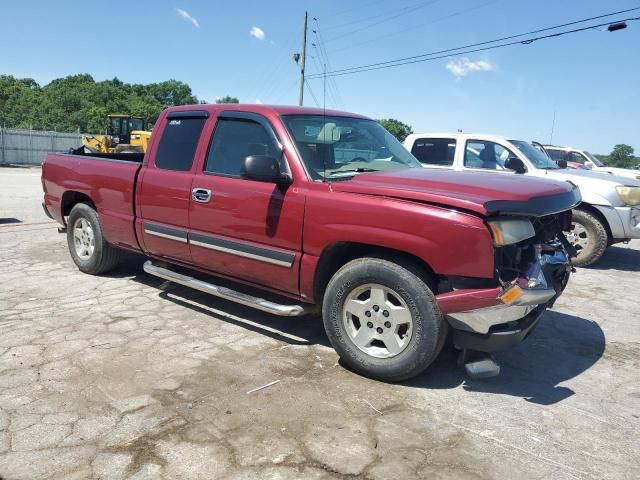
(124, 376)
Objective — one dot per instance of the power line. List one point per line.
(320, 62)
(421, 58)
(313, 95)
(397, 14)
(395, 11)
(413, 27)
(494, 41)
(358, 7)
(333, 87)
(522, 42)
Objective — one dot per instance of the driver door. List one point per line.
(241, 228)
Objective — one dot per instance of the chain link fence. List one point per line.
(28, 147)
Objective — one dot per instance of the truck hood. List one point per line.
(484, 193)
(619, 172)
(589, 178)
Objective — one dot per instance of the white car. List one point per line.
(610, 210)
(588, 161)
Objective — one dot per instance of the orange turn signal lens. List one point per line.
(498, 236)
(511, 295)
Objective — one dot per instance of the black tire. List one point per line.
(104, 256)
(429, 329)
(596, 233)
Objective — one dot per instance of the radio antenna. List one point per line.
(326, 145)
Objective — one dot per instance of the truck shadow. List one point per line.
(561, 348)
(301, 330)
(618, 258)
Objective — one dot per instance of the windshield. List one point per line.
(337, 148)
(594, 159)
(535, 156)
(136, 124)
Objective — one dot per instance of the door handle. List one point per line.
(201, 195)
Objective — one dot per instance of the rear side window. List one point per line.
(178, 143)
(556, 155)
(233, 141)
(577, 157)
(434, 151)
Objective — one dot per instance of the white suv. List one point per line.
(610, 208)
(588, 161)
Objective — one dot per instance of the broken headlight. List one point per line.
(510, 231)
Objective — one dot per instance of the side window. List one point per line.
(233, 140)
(434, 151)
(556, 155)
(577, 157)
(178, 143)
(484, 154)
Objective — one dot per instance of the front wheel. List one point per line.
(382, 319)
(589, 237)
(87, 246)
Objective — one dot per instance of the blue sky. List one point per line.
(590, 79)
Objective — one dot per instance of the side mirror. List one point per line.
(588, 166)
(562, 163)
(264, 168)
(515, 164)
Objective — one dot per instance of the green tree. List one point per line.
(622, 156)
(227, 99)
(396, 128)
(78, 101)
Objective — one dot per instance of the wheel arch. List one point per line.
(591, 210)
(71, 198)
(338, 254)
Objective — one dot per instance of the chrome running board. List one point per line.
(226, 293)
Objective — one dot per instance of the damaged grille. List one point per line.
(515, 261)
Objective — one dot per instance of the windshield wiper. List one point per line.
(350, 172)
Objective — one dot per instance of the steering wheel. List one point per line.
(360, 159)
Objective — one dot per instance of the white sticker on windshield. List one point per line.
(174, 122)
(311, 131)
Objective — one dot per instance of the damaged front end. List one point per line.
(538, 263)
(530, 275)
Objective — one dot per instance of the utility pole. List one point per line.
(553, 127)
(302, 59)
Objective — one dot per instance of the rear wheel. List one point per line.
(589, 237)
(382, 319)
(87, 246)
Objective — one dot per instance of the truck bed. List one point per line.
(107, 179)
(128, 157)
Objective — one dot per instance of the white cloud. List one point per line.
(258, 101)
(257, 32)
(187, 16)
(464, 66)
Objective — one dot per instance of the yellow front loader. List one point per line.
(125, 133)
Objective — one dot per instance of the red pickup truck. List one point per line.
(326, 209)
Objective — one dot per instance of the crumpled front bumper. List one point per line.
(482, 319)
(492, 319)
(500, 336)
